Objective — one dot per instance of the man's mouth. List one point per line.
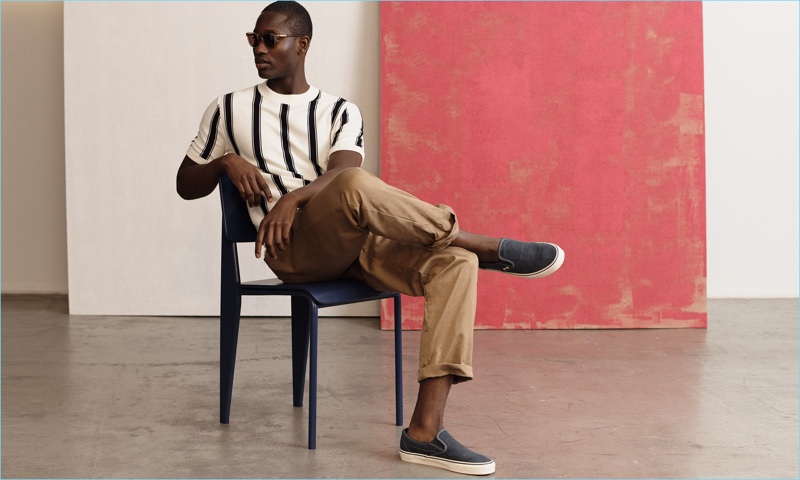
(261, 61)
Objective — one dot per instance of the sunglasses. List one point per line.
(269, 39)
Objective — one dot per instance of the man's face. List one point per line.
(283, 59)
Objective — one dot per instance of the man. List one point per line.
(295, 154)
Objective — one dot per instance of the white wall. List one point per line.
(751, 78)
(121, 187)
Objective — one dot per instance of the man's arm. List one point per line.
(273, 233)
(196, 180)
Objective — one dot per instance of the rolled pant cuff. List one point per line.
(462, 373)
(445, 241)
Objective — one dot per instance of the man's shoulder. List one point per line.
(334, 100)
(241, 94)
(248, 91)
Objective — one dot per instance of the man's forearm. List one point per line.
(196, 180)
(338, 161)
(304, 194)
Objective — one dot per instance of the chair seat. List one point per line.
(324, 294)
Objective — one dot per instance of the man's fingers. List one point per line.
(247, 193)
(271, 251)
(260, 240)
(285, 238)
(265, 240)
(270, 242)
(262, 185)
(275, 231)
(250, 188)
(248, 179)
(257, 188)
(279, 239)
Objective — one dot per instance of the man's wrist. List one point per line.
(291, 197)
(222, 163)
(295, 198)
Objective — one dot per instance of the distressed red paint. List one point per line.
(576, 123)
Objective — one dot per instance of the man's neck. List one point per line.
(286, 86)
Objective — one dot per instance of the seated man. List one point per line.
(295, 152)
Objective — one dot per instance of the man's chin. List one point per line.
(263, 73)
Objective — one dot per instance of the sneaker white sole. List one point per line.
(547, 270)
(453, 466)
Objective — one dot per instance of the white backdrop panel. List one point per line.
(138, 76)
(751, 78)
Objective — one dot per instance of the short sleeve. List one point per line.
(211, 141)
(347, 132)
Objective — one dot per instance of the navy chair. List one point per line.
(307, 299)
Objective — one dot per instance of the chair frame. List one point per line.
(307, 299)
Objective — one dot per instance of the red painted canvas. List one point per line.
(578, 123)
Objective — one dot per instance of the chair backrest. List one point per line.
(236, 224)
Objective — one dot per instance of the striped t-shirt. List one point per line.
(287, 137)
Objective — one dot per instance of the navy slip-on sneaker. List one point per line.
(526, 259)
(444, 452)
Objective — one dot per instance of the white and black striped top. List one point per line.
(288, 137)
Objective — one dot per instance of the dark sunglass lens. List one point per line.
(254, 39)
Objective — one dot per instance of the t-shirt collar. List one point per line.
(299, 98)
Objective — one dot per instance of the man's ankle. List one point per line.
(486, 248)
(422, 434)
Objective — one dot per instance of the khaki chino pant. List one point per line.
(360, 227)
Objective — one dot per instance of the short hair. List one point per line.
(297, 18)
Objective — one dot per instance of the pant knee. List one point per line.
(453, 272)
(463, 261)
(352, 179)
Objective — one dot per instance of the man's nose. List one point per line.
(260, 47)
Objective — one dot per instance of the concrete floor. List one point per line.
(134, 397)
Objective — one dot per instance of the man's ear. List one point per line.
(303, 45)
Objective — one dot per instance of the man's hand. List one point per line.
(247, 179)
(274, 231)
(198, 180)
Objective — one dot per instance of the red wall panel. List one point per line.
(579, 123)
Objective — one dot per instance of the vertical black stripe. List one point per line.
(360, 139)
(262, 163)
(257, 131)
(313, 154)
(345, 119)
(336, 109)
(229, 121)
(212, 135)
(285, 144)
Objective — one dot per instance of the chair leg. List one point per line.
(398, 361)
(312, 379)
(228, 339)
(301, 314)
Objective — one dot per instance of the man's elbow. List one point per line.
(183, 180)
(183, 186)
(182, 193)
